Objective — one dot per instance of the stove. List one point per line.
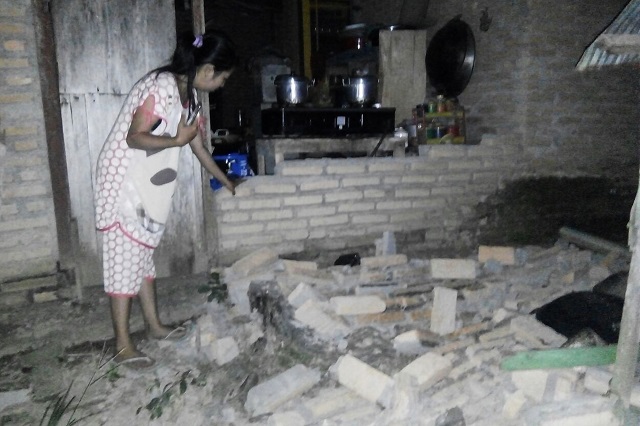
(303, 121)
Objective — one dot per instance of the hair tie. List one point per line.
(198, 41)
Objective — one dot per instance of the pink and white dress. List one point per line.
(133, 188)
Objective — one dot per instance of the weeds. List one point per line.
(216, 289)
(59, 407)
(158, 404)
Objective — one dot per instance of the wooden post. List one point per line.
(627, 353)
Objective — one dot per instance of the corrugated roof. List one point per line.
(619, 43)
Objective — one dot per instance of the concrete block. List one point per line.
(382, 288)
(297, 266)
(357, 305)
(443, 315)
(513, 404)
(288, 418)
(312, 315)
(534, 333)
(269, 395)
(409, 343)
(504, 255)
(44, 296)
(532, 383)
(14, 397)
(453, 269)
(366, 381)
(254, 261)
(331, 401)
(597, 380)
(426, 370)
(301, 294)
(579, 411)
(225, 350)
(383, 261)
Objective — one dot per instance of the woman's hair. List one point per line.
(213, 48)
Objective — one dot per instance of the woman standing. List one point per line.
(136, 177)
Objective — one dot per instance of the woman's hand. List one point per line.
(186, 133)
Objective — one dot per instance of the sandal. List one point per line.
(139, 363)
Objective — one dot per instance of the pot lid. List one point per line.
(450, 58)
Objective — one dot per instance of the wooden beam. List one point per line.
(592, 242)
(561, 358)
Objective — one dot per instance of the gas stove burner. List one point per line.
(327, 122)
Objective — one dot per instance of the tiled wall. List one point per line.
(28, 245)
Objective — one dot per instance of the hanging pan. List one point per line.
(450, 58)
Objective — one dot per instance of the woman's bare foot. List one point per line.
(131, 357)
(167, 333)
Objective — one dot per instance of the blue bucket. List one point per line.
(234, 165)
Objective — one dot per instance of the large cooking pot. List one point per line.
(360, 90)
(291, 89)
(450, 58)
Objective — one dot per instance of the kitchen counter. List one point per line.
(273, 150)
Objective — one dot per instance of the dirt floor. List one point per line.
(58, 352)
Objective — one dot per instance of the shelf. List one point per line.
(458, 140)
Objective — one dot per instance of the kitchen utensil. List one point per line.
(360, 90)
(450, 58)
(291, 89)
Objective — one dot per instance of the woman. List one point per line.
(136, 177)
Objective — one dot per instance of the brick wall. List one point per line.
(338, 205)
(28, 245)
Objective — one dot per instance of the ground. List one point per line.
(59, 351)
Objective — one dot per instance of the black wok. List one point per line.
(450, 58)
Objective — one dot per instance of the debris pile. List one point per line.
(382, 340)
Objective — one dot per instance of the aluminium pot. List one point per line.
(291, 89)
(360, 90)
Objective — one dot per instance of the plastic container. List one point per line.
(234, 165)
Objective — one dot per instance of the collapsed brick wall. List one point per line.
(27, 224)
(339, 205)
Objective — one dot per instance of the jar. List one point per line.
(442, 106)
(431, 130)
(432, 106)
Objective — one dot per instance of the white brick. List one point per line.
(374, 193)
(366, 381)
(299, 170)
(346, 169)
(578, 411)
(453, 268)
(413, 193)
(361, 181)
(301, 294)
(355, 207)
(286, 225)
(329, 220)
(443, 315)
(364, 219)
(297, 266)
(271, 203)
(331, 401)
(275, 188)
(408, 343)
(598, 380)
(266, 215)
(14, 397)
(426, 370)
(357, 305)
(393, 205)
(244, 229)
(343, 196)
(254, 261)
(534, 333)
(269, 395)
(387, 166)
(312, 315)
(316, 211)
(504, 255)
(513, 404)
(302, 200)
(225, 350)
(288, 418)
(532, 383)
(319, 185)
(383, 261)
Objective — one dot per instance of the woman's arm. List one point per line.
(140, 137)
(209, 165)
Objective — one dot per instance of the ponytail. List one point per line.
(191, 52)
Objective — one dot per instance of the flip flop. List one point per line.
(178, 334)
(138, 363)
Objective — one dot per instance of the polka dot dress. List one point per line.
(134, 187)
